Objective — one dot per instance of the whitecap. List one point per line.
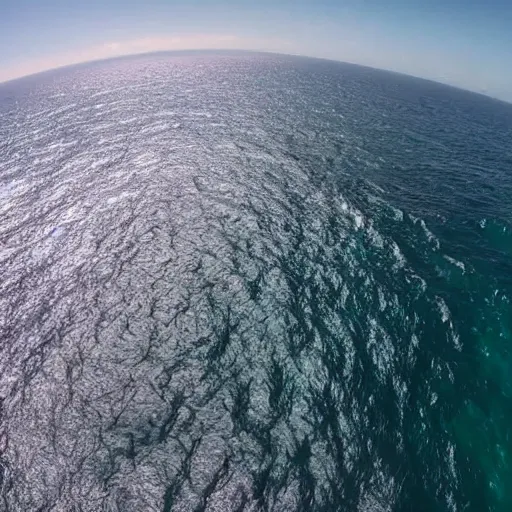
(201, 114)
(382, 300)
(398, 214)
(443, 309)
(155, 128)
(397, 253)
(375, 237)
(129, 120)
(358, 219)
(431, 237)
(455, 262)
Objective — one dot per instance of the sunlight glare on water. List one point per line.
(253, 282)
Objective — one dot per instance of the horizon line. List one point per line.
(93, 60)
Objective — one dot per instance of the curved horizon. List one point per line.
(463, 44)
(98, 59)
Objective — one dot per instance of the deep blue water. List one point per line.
(253, 282)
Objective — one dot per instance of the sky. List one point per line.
(466, 43)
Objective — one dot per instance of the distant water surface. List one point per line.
(247, 282)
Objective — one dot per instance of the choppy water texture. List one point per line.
(244, 282)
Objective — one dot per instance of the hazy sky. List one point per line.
(467, 43)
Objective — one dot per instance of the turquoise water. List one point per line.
(252, 282)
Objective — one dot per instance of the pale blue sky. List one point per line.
(467, 43)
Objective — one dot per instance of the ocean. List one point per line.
(251, 282)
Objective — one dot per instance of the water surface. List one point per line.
(252, 282)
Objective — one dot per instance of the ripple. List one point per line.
(231, 295)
